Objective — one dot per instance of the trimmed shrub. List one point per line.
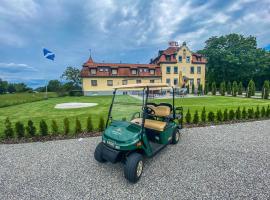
(188, 117)
(66, 126)
(43, 128)
(30, 129)
(203, 115)
(250, 113)
(206, 90)
(19, 129)
(89, 125)
(238, 113)
(225, 115)
(211, 116)
(229, 88)
(200, 89)
(244, 113)
(124, 119)
(219, 116)
(9, 132)
(101, 125)
(54, 127)
(196, 117)
(222, 88)
(240, 88)
(214, 88)
(257, 113)
(251, 89)
(231, 115)
(193, 89)
(265, 90)
(78, 126)
(268, 111)
(234, 89)
(263, 112)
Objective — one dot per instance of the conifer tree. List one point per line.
(203, 115)
(43, 128)
(222, 88)
(240, 88)
(188, 117)
(31, 129)
(234, 89)
(89, 127)
(9, 132)
(211, 116)
(225, 115)
(214, 88)
(263, 112)
(54, 127)
(231, 115)
(219, 116)
(257, 113)
(244, 113)
(78, 126)
(229, 88)
(20, 130)
(238, 114)
(265, 90)
(101, 124)
(66, 126)
(196, 117)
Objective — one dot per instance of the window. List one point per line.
(93, 71)
(184, 69)
(192, 70)
(180, 58)
(138, 81)
(199, 70)
(106, 69)
(101, 69)
(168, 81)
(114, 71)
(152, 81)
(141, 70)
(175, 69)
(152, 71)
(175, 81)
(174, 56)
(145, 70)
(109, 82)
(168, 70)
(124, 82)
(198, 81)
(168, 58)
(133, 71)
(188, 59)
(93, 82)
(191, 81)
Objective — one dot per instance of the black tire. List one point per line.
(176, 136)
(133, 163)
(98, 153)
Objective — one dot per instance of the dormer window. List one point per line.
(134, 71)
(93, 71)
(114, 71)
(168, 58)
(152, 71)
(145, 70)
(101, 69)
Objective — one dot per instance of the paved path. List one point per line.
(222, 162)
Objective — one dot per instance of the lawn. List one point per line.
(45, 109)
(19, 98)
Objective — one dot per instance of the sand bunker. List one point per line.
(74, 105)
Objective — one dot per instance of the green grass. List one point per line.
(45, 109)
(20, 98)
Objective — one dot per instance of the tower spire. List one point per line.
(90, 60)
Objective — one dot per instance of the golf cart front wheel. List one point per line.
(176, 136)
(98, 153)
(133, 167)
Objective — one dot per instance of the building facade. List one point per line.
(176, 66)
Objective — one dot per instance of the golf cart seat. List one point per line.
(160, 110)
(151, 124)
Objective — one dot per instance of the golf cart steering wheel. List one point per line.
(150, 111)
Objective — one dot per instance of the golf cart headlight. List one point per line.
(117, 147)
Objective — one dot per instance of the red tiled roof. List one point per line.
(123, 69)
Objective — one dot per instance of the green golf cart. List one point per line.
(137, 125)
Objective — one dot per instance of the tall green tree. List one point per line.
(234, 89)
(240, 88)
(251, 88)
(72, 75)
(229, 88)
(265, 90)
(214, 88)
(222, 88)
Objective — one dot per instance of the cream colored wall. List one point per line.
(181, 66)
(102, 82)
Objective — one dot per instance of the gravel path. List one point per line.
(222, 162)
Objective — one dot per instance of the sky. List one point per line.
(130, 31)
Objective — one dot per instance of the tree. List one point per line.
(193, 89)
(231, 115)
(267, 114)
(229, 88)
(72, 74)
(206, 90)
(211, 116)
(19, 129)
(54, 127)
(9, 132)
(238, 113)
(188, 117)
(251, 89)
(203, 115)
(214, 88)
(266, 90)
(200, 89)
(101, 125)
(3, 86)
(89, 124)
(219, 116)
(235, 57)
(250, 113)
(31, 129)
(54, 86)
(11, 88)
(257, 113)
(244, 113)
(222, 88)
(43, 128)
(196, 117)
(234, 89)
(21, 87)
(240, 88)
(225, 115)
(78, 126)
(188, 89)
(263, 112)
(66, 126)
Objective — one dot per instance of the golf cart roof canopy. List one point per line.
(143, 85)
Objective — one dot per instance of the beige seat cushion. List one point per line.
(151, 124)
(161, 111)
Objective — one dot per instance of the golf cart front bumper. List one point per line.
(110, 154)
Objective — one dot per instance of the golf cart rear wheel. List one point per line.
(176, 136)
(133, 167)
(98, 153)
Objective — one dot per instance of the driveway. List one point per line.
(221, 162)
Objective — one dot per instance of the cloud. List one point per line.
(16, 67)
